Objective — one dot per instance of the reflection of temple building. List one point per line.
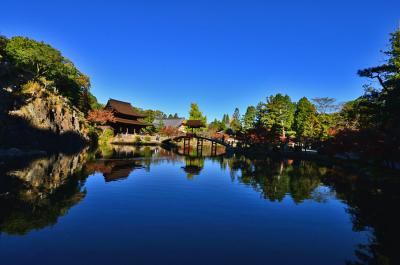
(113, 169)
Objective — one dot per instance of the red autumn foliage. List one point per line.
(369, 143)
(100, 116)
(169, 131)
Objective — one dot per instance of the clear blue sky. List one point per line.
(220, 54)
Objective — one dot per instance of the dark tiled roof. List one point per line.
(169, 122)
(123, 108)
(132, 122)
(194, 123)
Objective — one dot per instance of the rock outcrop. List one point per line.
(39, 119)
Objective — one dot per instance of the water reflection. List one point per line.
(277, 179)
(193, 166)
(34, 194)
(37, 193)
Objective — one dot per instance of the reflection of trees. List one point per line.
(40, 192)
(304, 178)
(35, 194)
(276, 179)
(372, 203)
(193, 166)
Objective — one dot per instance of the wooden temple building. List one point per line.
(127, 120)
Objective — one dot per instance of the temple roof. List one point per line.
(123, 108)
(132, 122)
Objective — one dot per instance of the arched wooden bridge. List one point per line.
(200, 138)
(182, 137)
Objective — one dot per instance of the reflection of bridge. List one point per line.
(200, 139)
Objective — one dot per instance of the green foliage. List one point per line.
(381, 107)
(36, 57)
(3, 44)
(235, 124)
(94, 104)
(349, 116)
(106, 137)
(249, 118)
(306, 123)
(278, 110)
(30, 60)
(217, 126)
(196, 114)
(225, 119)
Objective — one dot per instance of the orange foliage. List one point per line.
(100, 116)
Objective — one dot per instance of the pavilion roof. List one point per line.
(195, 123)
(123, 108)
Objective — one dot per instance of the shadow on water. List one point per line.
(35, 193)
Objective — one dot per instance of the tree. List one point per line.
(196, 114)
(3, 45)
(36, 57)
(278, 111)
(84, 82)
(100, 116)
(325, 104)
(249, 118)
(217, 126)
(349, 116)
(29, 59)
(225, 119)
(306, 123)
(235, 122)
(169, 131)
(382, 105)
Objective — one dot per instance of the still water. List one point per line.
(127, 205)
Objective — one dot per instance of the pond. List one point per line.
(127, 205)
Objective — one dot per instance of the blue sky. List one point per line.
(220, 54)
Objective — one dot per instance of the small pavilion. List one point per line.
(194, 124)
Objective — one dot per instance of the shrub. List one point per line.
(31, 87)
(169, 131)
(106, 136)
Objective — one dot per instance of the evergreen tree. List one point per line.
(306, 123)
(279, 110)
(249, 118)
(235, 122)
(196, 114)
(225, 119)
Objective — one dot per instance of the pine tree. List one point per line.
(235, 122)
(249, 118)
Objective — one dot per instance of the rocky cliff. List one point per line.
(40, 119)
